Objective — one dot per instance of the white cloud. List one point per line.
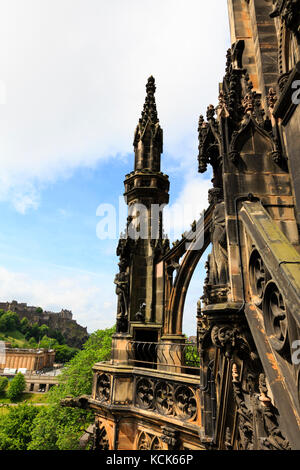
(74, 73)
(23, 200)
(91, 298)
(72, 86)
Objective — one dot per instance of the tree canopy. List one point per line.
(3, 384)
(16, 387)
(54, 427)
(16, 427)
(34, 335)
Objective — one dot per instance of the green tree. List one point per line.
(48, 343)
(58, 427)
(9, 321)
(35, 331)
(77, 377)
(16, 319)
(16, 387)
(16, 427)
(64, 353)
(3, 384)
(57, 335)
(24, 325)
(44, 330)
(28, 335)
(32, 342)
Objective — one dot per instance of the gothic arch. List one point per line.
(185, 271)
(101, 438)
(241, 137)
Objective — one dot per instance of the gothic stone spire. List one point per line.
(148, 139)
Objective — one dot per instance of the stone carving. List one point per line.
(140, 315)
(160, 246)
(210, 144)
(156, 444)
(170, 437)
(257, 277)
(213, 294)
(122, 291)
(203, 328)
(219, 256)
(148, 130)
(248, 103)
(225, 338)
(289, 10)
(144, 393)
(202, 133)
(147, 441)
(245, 416)
(210, 113)
(186, 406)
(251, 104)
(257, 417)
(278, 4)
(275, 316)
(216, 283)
(144, 442)
(164, 398)
(228, 444)
(232, 81)
(103, 388)
(100, 439)
(78, 402)
(275, 439)
(233, 339)
(271, 98)
(222, 111)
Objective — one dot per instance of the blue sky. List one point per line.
(72, 76)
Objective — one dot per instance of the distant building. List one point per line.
(38, 382)
(26, 359)
(32, 312)
(74, 334)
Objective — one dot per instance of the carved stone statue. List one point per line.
(140, 315)
(122, 291)
(219, 256)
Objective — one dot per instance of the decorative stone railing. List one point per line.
(173, 357)
(172, 396)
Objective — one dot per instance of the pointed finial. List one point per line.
(148, 132)
(149, 110)
(150, 87)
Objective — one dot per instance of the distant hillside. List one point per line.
(74, 334)
(18, 333)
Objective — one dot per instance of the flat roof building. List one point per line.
(29, 359)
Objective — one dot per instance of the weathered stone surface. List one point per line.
(247, 395)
